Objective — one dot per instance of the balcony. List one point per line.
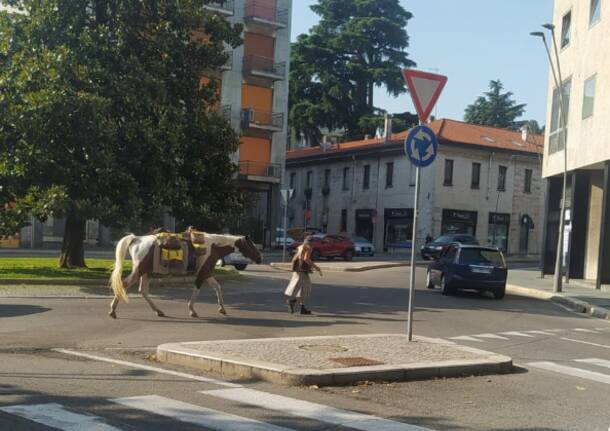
(264, 67)
(260, 171)
(261, 13)
(223, 7)
(261, 120)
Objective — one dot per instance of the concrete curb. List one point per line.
(103, 282)
(489, 363)
(361, 268)
(574, 304)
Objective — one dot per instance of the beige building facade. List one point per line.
(485, 182)
(583, 37)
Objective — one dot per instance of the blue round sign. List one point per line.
(421, 146)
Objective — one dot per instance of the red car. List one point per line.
(329, 246)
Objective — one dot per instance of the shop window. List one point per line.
(497, 234)
(458, 221)
(398, 227)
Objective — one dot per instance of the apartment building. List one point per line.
(254, 96)
(485, 182)
(583, 31)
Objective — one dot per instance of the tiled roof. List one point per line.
(446, 131)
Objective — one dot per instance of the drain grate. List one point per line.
(356, 362)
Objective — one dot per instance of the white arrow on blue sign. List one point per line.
(421, 146)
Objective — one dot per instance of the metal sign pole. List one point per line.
(285, 227)
(412, 273)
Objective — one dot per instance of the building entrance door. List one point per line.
(364, 224)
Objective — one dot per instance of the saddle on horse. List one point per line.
(176, 253)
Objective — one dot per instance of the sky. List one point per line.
(471, 42)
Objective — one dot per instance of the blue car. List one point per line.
(465, 266)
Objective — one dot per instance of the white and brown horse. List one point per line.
(141, 249)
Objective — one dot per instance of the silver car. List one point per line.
(238, 260)
(363, 246)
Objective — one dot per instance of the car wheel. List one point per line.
(240, 266)
(445, 286)
(499, 293)
(429, 284)
(349, 255)
(315, 255)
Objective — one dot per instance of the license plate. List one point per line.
(366, 249)
(481, 269)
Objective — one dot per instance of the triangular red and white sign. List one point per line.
(425, 90)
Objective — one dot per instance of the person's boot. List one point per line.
(291, 304)
(305, 310)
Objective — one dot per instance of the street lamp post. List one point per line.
(558, 275)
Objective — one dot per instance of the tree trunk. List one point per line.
(72, 249)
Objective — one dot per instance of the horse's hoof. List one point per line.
(112, 314)
(160, 313)
(193, 314)
(222, 311)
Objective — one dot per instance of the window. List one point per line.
(389, 175)
(558, 129)
(366, 177)
(293, 179)
(345, 178)
(309, 179)
(566, 29)
(588, 97)
(595, 11)
(343, 221)
(502, 178)
(327, 178)
(448, 181)
(476, 176)
(527, 183)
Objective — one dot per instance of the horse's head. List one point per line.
(245, 245)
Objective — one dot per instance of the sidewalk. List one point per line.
(335, 360)
(577, 295)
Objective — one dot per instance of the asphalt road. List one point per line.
(562, 378)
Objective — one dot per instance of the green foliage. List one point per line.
(495, 109)
(357, 45)
(104, 114)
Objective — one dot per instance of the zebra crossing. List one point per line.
(69, 418)
(572, 371)
(527, 334)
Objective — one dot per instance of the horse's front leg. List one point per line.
(216, 286)
(191, 303)
(128, 282)
(144, 282)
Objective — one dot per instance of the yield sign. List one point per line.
(425, 90)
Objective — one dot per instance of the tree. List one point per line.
(357, 45)
(105, 114)
(495, 109)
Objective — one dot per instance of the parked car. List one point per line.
(298, 233)
(433, 249)
(236, 259)
(329, 246)
(467, 266)
(362, 246)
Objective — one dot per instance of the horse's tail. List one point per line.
(116, 279)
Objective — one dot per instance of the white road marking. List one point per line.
(56, 416)
(517, 334)
(539, 332)
(588, 331)
(585, 342)
(595, 361)
(493, 336)
(465, 338)
(306, 409)
(148, 368)
(190, 413)
(554, 330)
(572, 371)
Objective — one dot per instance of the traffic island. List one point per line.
(335, 360)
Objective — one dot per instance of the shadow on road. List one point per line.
(14, 310)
